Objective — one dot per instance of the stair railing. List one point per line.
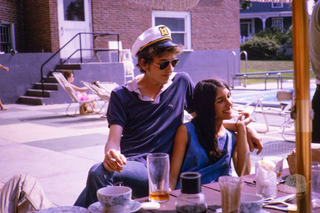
(81, 60)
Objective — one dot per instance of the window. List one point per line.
(73, 10)
(246, 29)
(277, 23)
(5, 38)
(277, 5)
(179, 24)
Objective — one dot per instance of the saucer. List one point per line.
(67, 209)
(132, 206)
(219, 210)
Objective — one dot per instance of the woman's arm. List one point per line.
(241, 147)
(179, 150)
(79, 89)
(254, 139)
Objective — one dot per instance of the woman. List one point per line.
(6, 69)
(204, 145)
(80, 91)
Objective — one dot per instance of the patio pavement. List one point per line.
(59, 150)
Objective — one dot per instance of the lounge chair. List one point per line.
(72, 94)
(253, 106)
(103, 92)
(284, 111)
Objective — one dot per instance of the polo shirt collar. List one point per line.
(132, 86)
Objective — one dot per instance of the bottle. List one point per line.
(191, 199)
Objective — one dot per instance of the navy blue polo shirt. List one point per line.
(150, 127)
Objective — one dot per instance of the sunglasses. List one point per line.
(165, 64)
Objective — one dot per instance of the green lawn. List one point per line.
(263, 66)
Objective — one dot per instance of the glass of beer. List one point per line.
(158, 174)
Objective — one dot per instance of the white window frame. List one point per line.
(281, 22)
(11, 34)
(251, 30)
(272, 5)
(176, 14)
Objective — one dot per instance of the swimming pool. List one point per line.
(269, 97)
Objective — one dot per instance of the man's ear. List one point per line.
(143, 64)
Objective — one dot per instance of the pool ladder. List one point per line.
(234, 66)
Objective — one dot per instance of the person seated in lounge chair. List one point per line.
(204, 145)
(80, 91)
(107, 86)
(98, 84)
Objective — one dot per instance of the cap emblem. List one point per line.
(163, 31)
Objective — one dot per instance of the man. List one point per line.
(143, 116)
(314, 34)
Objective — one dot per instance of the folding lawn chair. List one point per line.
(103, 92)
(72, 94)
(253, 106)
(285, 112)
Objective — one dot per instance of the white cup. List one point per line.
(250, 203)
(114, 198)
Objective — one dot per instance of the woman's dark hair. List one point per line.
(204, 99)
(154, 51)
(67, 73)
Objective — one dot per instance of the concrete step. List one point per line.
(69, 66)
(39, 93)
(30, 100)
(47, 86)
(50, 79)
(33, 100)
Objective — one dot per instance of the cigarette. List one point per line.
(112, 159)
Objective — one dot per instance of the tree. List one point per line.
(245, 4)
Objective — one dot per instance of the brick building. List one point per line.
(36, 29)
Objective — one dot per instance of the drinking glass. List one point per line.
(278, 161)
(230, 188)
(266, 181)
(158, 175)
(315, 184)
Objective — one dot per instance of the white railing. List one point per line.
(243, 39)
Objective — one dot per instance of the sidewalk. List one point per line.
(59, 150)
(55, 149)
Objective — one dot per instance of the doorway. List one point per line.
(74, 17)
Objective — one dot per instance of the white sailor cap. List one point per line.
(153, 35)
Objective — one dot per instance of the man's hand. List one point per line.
(114, 161)
(254, 140)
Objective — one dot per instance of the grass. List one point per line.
(263, 66)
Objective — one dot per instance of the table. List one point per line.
(213, 195)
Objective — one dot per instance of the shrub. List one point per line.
(260, 48)
(281, 36)
(289, 35)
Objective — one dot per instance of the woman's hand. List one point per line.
(114, 161)
(243, 119)
(254, 139)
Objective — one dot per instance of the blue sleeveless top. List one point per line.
(196, 159)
